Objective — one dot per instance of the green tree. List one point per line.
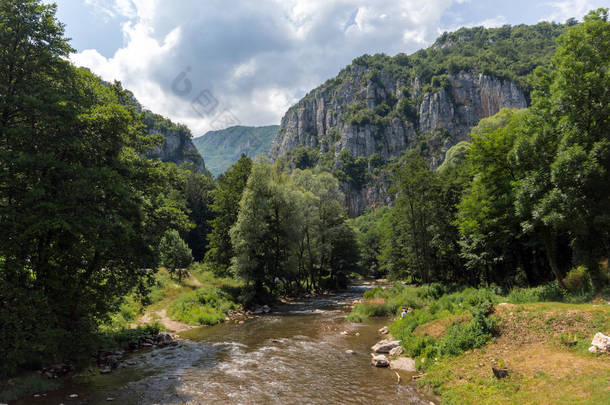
(175, 253)
(226, 197)
(78, 199)
(263, 237)
(565, 152)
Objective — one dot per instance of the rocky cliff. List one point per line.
(379, 106)
(177, 144)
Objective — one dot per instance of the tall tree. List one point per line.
(226, 197)
(77, 197)
(565, 151)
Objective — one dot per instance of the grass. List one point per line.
(542, 369)
(202, 298)
(456, 335)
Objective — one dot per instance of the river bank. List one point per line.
(542, 349)
(295, 353)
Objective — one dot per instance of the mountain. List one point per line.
(222, 148)
(177, 145)
(357, 123)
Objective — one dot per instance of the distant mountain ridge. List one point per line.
(220, 149)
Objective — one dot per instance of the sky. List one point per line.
(210, 64)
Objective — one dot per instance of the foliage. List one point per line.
(291, 234)
(226, 197)
(205, 306)
(175, 253)
(82, 210)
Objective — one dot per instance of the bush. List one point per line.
(206, 306)
(547, 292)
(578, 281)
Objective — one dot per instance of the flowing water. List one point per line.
(295, 355)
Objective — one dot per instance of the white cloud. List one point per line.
(255, 58)
(566, 9)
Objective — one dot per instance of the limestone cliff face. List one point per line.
(468, 98)
(178, 149)
(383, 114)
(177, 144)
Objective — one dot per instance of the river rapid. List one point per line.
(294, 355)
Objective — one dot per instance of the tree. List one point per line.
(264, 237)
(175, 253)
(564, 150)
(226, 201)
(198, 191)
(410, 237)
(78, 199)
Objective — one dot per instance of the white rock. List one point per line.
(403, 364)
(344, 333)
(601, 342)
(385, 346)
(397, 351)
(74, 396)
(384, 331)
(380, 360)
(348, 351)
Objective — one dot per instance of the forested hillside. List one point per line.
(380, 106)
(222, 148)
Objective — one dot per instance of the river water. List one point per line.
(294, 355)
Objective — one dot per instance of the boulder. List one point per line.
(403, 364)
(397, 351)
(164, 339)
(379, 360)
(384, 331)
(385, 346)
(600, 343)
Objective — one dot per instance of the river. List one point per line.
(294, 355)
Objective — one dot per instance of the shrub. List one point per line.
(578, 281)
(206, 306)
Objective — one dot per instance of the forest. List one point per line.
(87, 218)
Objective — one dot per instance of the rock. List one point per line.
(74, 396)
(109, 399)
(344, 333)
(164, 339)
(385, 346)
(380, 360)
(357, 333)
(397, 351)
(403, 364)
(600, 343)
(240, 322)
(319, 121)
(266, 309)
(384, 331)
(348, 351)
(105, 370)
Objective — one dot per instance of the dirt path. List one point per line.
(169, 324)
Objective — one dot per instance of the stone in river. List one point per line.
(379, 360)
(384, 346)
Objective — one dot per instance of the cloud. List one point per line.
(566, 9)
(255, 59)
